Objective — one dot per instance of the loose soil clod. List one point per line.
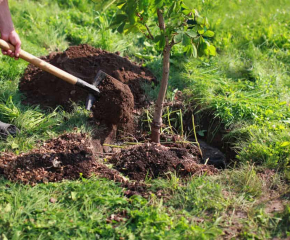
(115, 104)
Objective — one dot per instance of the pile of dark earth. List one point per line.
(152, 160)
(71, 156)
(83, 61)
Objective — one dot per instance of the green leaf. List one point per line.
(103, 5)
(209, 50)
(285, 144)
(186, 12)
(120, 29)
(73, 196)
(189, 3)
(186, 40)
(162, 42)
(178, 38)
(14, 145)
(131, 11)
(212, 50)
(188, 50)
(191, 33)
(194, 53)
(143, 56)
(158, 3)
(200, 30)
(120, 18)
(171, 9)
(157, 38)
(8, 208)
(208, 33)
(200, 20)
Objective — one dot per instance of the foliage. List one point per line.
(184, 25)
(167, 24)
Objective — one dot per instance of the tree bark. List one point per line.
(157, 118)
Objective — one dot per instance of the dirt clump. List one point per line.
(154, 160)
(84, 62)
(115, 104)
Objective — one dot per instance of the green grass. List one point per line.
(245, 88)
(84, 210)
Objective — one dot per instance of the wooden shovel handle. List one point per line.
(41, 64)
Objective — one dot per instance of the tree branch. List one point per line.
(173, 43)
(162, 25)
(161, 20)
(149, 32)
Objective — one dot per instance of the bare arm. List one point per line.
(7, 30)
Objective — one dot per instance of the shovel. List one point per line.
(92, 89)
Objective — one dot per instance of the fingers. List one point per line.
(4, 52)
(14, 39)
(17, 49)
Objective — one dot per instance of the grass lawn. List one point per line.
(245, 89)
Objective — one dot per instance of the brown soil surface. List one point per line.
(66, 157)
(61, 158)
(154, 160)
(71, 156)
(84, 62)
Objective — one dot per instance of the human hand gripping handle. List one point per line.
(7, 30)
(13, 38)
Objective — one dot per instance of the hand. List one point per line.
(13, 38)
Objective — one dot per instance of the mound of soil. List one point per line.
(155, 160)
(84, 62)
(65, 157)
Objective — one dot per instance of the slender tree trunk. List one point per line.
(157, 119)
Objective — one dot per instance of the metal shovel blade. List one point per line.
(97, 80)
